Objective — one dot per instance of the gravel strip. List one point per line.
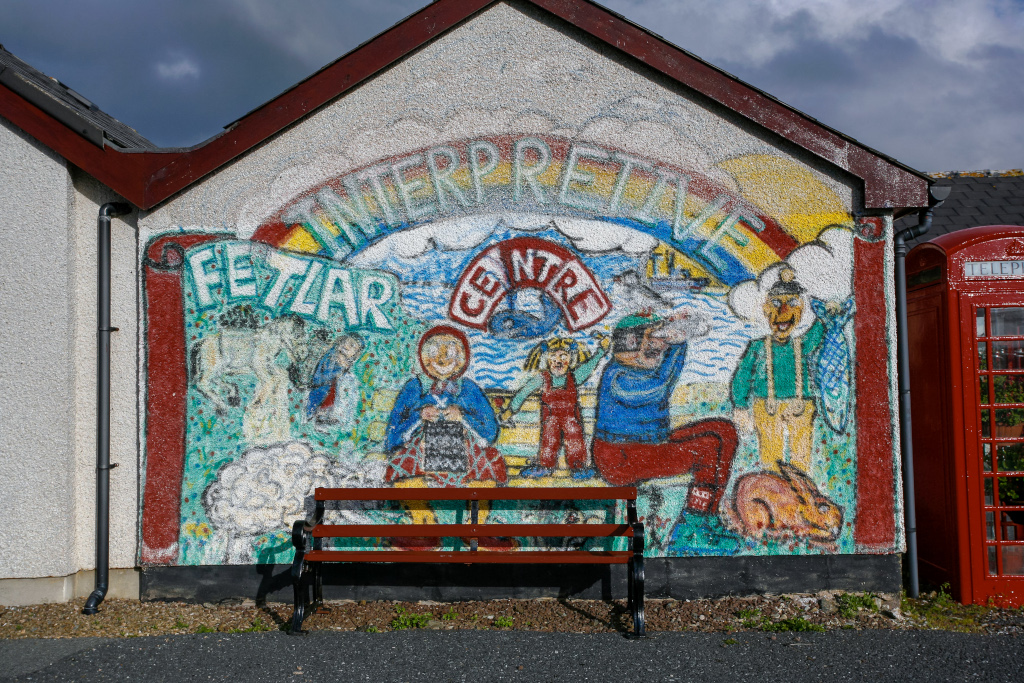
(793, 613)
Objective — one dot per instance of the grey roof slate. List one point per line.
(977, 198)
(67, 106)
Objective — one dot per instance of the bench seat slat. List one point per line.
(473, 557)
(460, 530)
(538, 493)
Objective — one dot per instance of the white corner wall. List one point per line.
(37, 384)
(48, 215)
(89, 196)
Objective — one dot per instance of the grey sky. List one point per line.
(937, 84)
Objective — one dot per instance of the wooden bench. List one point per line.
(308, 535)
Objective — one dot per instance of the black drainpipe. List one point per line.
(936, 196)
(107, 211)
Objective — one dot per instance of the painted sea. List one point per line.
(497, 363)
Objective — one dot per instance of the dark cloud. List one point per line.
(891, 94)
(229, 57)
(935, 84)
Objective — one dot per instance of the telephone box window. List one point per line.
(1008, 322)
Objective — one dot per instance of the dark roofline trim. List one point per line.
(149, 177)
(51, 104)
(67, 106)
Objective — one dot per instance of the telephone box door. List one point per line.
(992, 330)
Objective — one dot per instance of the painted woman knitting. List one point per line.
(560, 422)
(442, 427)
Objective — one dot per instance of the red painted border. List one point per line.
(148, 178)
(875, 523)
(166, 394)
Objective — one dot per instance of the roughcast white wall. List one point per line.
(47, 378)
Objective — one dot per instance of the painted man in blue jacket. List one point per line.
(633, 437)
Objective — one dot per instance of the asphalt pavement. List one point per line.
(520, 656)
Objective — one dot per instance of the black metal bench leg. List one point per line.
(636, 582)
(639, 627)
(318, 586)
(299, 614)
(630, 590)
(301, 571)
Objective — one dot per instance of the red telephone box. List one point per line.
(965, 310)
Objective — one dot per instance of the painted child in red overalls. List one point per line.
(560, 422)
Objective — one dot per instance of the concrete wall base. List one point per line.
(124, 583)
(677, 577)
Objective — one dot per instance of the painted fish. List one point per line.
(832, 372)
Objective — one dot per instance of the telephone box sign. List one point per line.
(1006, 269)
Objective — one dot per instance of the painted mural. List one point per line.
(526, 311)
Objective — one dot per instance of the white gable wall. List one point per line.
(37, 382)
(510, 72)
(48, 215)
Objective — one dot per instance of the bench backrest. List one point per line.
(537, 493)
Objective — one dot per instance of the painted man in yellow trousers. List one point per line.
(771, 390)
